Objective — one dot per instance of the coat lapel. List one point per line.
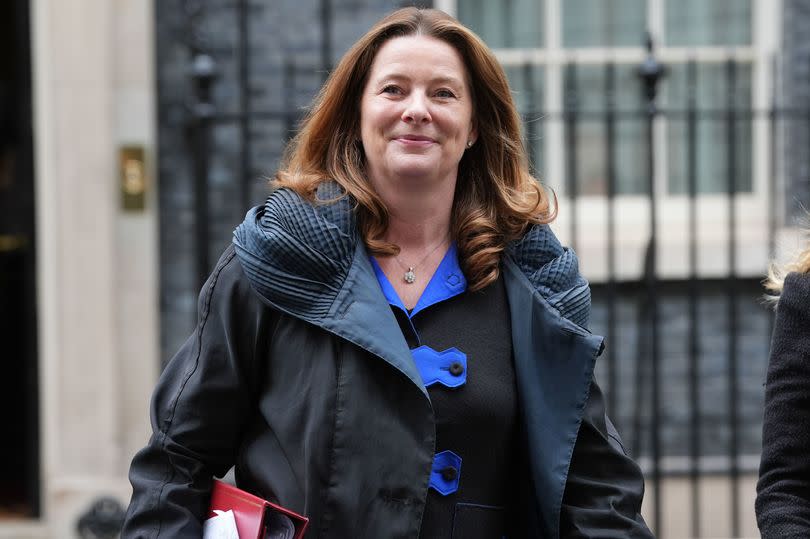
(362, 315)
(554, 362)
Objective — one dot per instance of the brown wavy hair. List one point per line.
(496, 197)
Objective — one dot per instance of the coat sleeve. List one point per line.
(783, 490)
(605, 487)
(198, 410)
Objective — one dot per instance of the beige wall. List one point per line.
(714, 492)
(97, 265)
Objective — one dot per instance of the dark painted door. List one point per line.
(19, 452)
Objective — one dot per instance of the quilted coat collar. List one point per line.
(298, 256)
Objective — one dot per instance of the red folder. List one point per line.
(250, 512)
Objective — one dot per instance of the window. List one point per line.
(720, 93)
(538, 40)
(592, 90)
(508, 23)
(603, 23)
(558, 56)
(528, 87)
(691, 23)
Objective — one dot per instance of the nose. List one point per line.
(416, 109)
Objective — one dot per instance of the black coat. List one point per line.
(299, 374)
(783, 491)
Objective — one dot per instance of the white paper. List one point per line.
(221, 526)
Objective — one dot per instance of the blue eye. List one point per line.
(445, 93)
(392, 89)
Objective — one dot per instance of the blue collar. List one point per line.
(448, 281)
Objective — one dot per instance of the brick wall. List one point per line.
(630, 352)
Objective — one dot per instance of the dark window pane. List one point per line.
(528, 84)
(603, 23)
(713, 97)
(505, 24)
(591, 97)
(708, 23)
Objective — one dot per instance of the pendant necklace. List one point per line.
(409, 275)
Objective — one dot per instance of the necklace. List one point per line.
(409, 276)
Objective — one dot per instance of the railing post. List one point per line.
(651, 72)
(203, 73)
(694, 313)
(245, 161)
(733, 337)
(571, 120)
(611, 296)
(326, 37)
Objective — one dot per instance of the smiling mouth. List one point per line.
(415, 140)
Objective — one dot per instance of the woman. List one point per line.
(395, 344)
(783, 490)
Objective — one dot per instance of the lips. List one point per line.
(414, 139)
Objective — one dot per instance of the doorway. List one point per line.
(19, 387)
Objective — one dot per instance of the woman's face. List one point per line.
(415, 112)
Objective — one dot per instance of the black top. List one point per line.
(477, 420)
(461, 343)
(783, 491)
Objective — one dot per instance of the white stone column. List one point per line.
(137, 264)
(97, 265)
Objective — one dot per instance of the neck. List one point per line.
(418, 218)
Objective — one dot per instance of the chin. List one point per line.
(413, 166)
(414, 172)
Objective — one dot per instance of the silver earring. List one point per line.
(469, 143)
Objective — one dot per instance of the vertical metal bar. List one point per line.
(289, 105)
(731, 120)
(694, 324)
(571, 119)
(203, 72)
(245, 180)
(326, 38)
(201, 213)
(651, 72)
(610, 165)
(652, 298)
(641, 377)
(531, 115)
(772, 169)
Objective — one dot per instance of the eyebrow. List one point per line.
(436, 80)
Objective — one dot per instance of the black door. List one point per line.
(19, 452)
